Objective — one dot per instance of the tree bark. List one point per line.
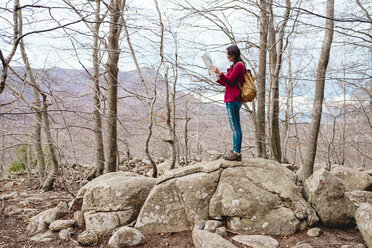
(6, 61)
(370, 91)
(319, 93)
(112, 69)
(38, 115)
(99, 148)
(171, 137)
(261, 81)
(49, 181)
(276, 52)
(289, 109)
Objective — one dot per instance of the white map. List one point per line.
(208, 63)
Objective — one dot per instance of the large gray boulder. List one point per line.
(261, 197)
(205, 239)
(196, 190)
(353, 179)
(113, 200)
(180, 199)
(117, 193)
(326, 194)
(163, 211)
(255, 195)
(363, 217)
(78, 201)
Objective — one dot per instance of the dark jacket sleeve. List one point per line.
(235, 75)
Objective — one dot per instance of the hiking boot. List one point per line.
(232, 156)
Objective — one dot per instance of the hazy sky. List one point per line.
(56, 49)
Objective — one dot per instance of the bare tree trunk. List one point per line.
(150, 103)
(2, 158)
(37, 141)
(186, 131)
(198, 146)
(175, 70)
(112, 69)
(171, 133)
(29, 163)
(147, 152)
(370, 91)
(99, 148)
(276, 53)
(261, 81)
(298, 141)
(319, 92)
(36, 93)
(343, 142)
(289, 107)
(170, 139)
(6, 61)
(49, 181)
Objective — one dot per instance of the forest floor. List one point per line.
(32, 201)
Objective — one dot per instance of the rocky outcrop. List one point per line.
(118, 192)
(326, 194)
(163, 211)
(112, 200)
(353, 179)
(363, 217)
(255, 195)
(78, 201)
(180, 199)
(41, 222)
(261, 197)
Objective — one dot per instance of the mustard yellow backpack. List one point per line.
(249, 90)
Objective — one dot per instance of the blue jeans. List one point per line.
(233, 114)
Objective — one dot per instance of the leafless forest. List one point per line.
(99, 82)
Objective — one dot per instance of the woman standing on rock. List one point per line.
(233, 100)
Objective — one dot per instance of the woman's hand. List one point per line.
(216, 70)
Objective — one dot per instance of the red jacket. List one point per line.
(232, 90)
